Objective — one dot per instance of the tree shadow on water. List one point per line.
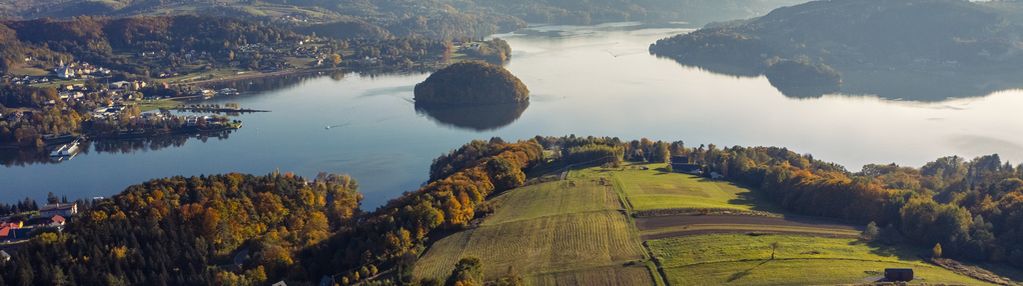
(747, 272)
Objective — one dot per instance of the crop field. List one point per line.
(655, 188)
(610, 275)
(741, 259)
(670, 226)
(572, 232)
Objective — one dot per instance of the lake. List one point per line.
(592, 80)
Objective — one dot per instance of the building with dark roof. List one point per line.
(682, 164)
(65, 210)
(898, 274)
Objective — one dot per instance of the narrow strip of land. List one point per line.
(672, 226)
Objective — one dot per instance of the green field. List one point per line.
(573, 232)
(741, 259)
(155, 104)
(655, 188)
(579, 232)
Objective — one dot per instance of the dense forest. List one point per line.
(229, 229)
(472, 82)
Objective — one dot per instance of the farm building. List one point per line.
(65, 210)
(898, 274)
(682, 164)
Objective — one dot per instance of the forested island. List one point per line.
(936, 49)
(250, 230)
(471, 83)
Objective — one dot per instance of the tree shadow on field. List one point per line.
(754, 198)
(747, 272)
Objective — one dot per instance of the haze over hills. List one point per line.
(436, 18)
(960, 47)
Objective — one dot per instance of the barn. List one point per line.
(682, 164)
(898, 274)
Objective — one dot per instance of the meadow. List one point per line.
(743, 259)
(652, 187)
(580, 231)
(573, 232)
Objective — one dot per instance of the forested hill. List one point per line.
(865, 33)
(228, 229)
(471, 83)
(973, 44)
(431, 18)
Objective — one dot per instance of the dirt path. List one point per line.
(671, 226)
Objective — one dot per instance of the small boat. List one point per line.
(229, 91)
(66, 150)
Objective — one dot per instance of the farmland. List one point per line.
(651, 187)
(580, 231)
(573, 232)
(743, 259)
(670, 226)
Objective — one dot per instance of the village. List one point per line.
(19, 228)
(95, 107)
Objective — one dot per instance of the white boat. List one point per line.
(66, 150)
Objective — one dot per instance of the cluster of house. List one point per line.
(23, 80)
(126, 90)
(683, 164)
(79, 70)
(49, 217)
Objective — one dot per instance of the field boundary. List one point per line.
(922, 263)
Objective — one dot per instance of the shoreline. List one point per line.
(252, 75)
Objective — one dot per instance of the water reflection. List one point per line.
(271, 83)
(25, 157)
(474, 117)
(911, 85)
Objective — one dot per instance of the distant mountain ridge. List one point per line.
(432, 18)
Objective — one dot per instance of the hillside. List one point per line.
(432, 18)
(587, 230)
(951, 44)
(471, 83)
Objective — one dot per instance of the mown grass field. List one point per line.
(656, 188)
(579, 232)
(565, 232)
(741, 259)
(710, 228)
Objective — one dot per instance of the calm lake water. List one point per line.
(594, 80)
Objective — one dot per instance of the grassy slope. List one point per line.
(742, 259)
(657, 189)
(572, 232)
(576, 232)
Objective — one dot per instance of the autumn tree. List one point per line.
(468, 272)
(335, 59)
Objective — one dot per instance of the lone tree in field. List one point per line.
(936, 251)
(774, 248)
(871, 232)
